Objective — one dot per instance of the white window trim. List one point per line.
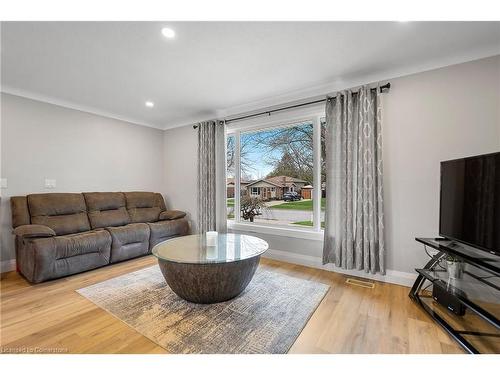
(313, 114)
(316, 193)
(276, 230)
(237, 176)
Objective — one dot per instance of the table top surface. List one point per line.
(211, 248)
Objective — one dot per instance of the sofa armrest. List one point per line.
(171, 215)
(33, 230)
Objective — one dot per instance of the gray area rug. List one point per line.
(266, 318)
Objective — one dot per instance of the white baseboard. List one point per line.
(391, 276)
(7, 265)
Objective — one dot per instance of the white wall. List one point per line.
(443, 114)
(83, 152)
(431, 116)
(180, 184)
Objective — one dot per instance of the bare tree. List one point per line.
(246, 164)
(295, 146)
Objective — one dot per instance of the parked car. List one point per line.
(291, 196)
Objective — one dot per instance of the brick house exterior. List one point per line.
(274, 187)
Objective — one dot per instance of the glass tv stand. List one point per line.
(478, 290)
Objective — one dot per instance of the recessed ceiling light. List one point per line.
(168, 32)
(149, 104)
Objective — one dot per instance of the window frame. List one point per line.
(280, 120)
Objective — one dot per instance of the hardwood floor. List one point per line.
(52, 317)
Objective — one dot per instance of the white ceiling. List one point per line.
(218, 68)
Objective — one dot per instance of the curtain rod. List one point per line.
(387, 86)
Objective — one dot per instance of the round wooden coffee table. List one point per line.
(201, 273)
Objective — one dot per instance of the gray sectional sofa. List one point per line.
(60, 234)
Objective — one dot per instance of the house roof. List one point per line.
(230, 180)
(264, 180)
(285, 181)
(280, 181)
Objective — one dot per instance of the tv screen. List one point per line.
(470, 201)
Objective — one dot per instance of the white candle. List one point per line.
(211, 238)
(211, 252)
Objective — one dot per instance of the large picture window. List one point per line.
(278, 171)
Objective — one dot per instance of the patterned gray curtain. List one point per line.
(354, 218)
(212, 176)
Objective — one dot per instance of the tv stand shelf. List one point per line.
(478, 330)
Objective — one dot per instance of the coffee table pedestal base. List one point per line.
(209, 282)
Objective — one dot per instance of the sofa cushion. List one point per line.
(129, 241)
(63, 212)
(53, 257)
(144, 207)
(163, 230)
(106, 209)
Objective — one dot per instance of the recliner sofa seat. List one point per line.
(60, 234)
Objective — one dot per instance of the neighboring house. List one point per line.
(230, 187)
(275, 187)
(265, 189)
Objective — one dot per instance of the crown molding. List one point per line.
(191, 120)
(67, 104)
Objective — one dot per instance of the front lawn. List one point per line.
(303, 205)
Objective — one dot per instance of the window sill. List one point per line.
(276, 231)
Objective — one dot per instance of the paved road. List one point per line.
(286, 215)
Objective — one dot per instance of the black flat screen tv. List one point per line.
(470, 201)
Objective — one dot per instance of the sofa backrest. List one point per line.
(63, 212)
(144, 207)
(106, 209)
(69, 213)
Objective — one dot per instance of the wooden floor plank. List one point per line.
(350, 319)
